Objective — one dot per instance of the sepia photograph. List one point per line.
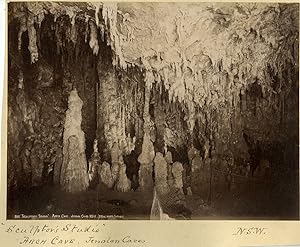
(152, 111)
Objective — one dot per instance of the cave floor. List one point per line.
(245, 202)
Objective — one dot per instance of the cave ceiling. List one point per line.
(205, 54)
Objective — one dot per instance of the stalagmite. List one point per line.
(115, 164)
(192, 153)
(123, 184)
(168, 157)
(161, 173)
(105, 175)
(156, 209)
(57, 166)
(206, 149)
(147, 155)
(146, 161)
(169, 160)
(94, 162)
(195, 172)
(74, 177)
(177, 170)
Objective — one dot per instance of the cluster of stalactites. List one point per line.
(213, 80)
(27, 24)
(33, 14)
(208, 80)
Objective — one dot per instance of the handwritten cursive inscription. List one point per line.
(85, 235)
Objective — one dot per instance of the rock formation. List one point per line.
(94, 162)
(115, 161)
(177, 170)
(123, 184)
(146, 161)
(105, 175)
(169, 160)
(156, 210)
(161, 173)
(74, 177)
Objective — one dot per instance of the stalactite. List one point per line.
(32, 46)
(97, 8)
(94, 38)
(22, 29)
(73, 30)
(109, 13)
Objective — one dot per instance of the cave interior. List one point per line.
(198, 102)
